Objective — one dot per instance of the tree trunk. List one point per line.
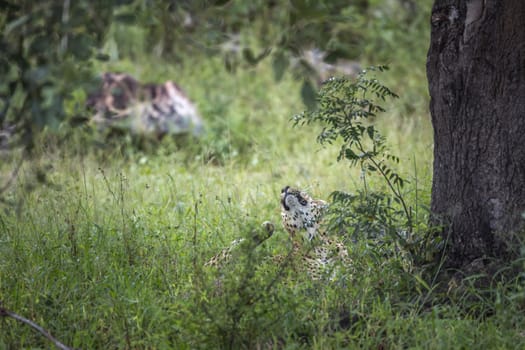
(476, 75)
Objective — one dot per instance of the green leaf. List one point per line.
(102, 57)
(220, 2)
(371, 131)
(280, 64)
(247, 54)
(349, 154)
(251, 59)
(308, 9)
(309, 95)
(126, 18)
(81, 46)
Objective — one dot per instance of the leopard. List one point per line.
(318, 251)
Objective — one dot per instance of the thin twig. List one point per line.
(58, 344)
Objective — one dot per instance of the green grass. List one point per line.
(104, 246)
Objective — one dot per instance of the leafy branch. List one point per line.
(345, 109)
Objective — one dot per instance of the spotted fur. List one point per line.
(300, 212)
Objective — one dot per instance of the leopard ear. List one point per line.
(285, 189)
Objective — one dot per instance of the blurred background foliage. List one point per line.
(103, 242)
(51, 52)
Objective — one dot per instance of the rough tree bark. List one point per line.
(476, 75)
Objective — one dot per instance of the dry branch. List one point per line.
(6, 313)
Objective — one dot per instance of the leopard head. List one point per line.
(293, 199)
(299, 211)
